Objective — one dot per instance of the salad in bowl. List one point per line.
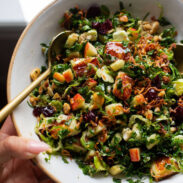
(114, 99)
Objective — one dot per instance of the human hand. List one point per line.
(15, 152)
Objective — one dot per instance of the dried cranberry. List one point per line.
(151, 94)
(102, 28)
(48, 111)
(105, 27)
(178, 114)
(89, 116)
(93, 11)
(157, 81)
(37, 111)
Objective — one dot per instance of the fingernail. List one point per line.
(36, 147)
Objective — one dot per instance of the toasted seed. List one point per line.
(57, 96)
(33, 100)
(50, 91)
(35, 74)
(66, 108)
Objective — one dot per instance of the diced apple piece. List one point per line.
(77, 102)
(97, 100)
(117, 65)
(158, 168)
(116, 169)
(59, 77)
(127, 133)
(68, 75)
(114, 109)
(135, 154)
(120, 36)
(90, 50)
(72, 38)
(91, 83)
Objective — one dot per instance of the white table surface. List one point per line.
(20, 12)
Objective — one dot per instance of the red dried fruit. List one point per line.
(157, 81)
(48, 111)
(102, 28)
(89, 116)
(151, 94)
(178, 114)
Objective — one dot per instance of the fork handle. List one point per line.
(6, 110)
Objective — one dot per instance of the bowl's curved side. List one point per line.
(27, 55)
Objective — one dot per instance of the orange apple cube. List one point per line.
(68, 75)
(91, 83)
(77, 102)
(59, 77)
(135, 154)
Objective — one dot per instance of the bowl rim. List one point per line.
(8, 83)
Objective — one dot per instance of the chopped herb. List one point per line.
(163, 21)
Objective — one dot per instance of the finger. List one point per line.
(19, 147)
(20, 171)
(8, 127)
(3, 136)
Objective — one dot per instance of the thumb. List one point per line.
(19, 147)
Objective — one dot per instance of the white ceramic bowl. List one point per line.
(27, 55)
